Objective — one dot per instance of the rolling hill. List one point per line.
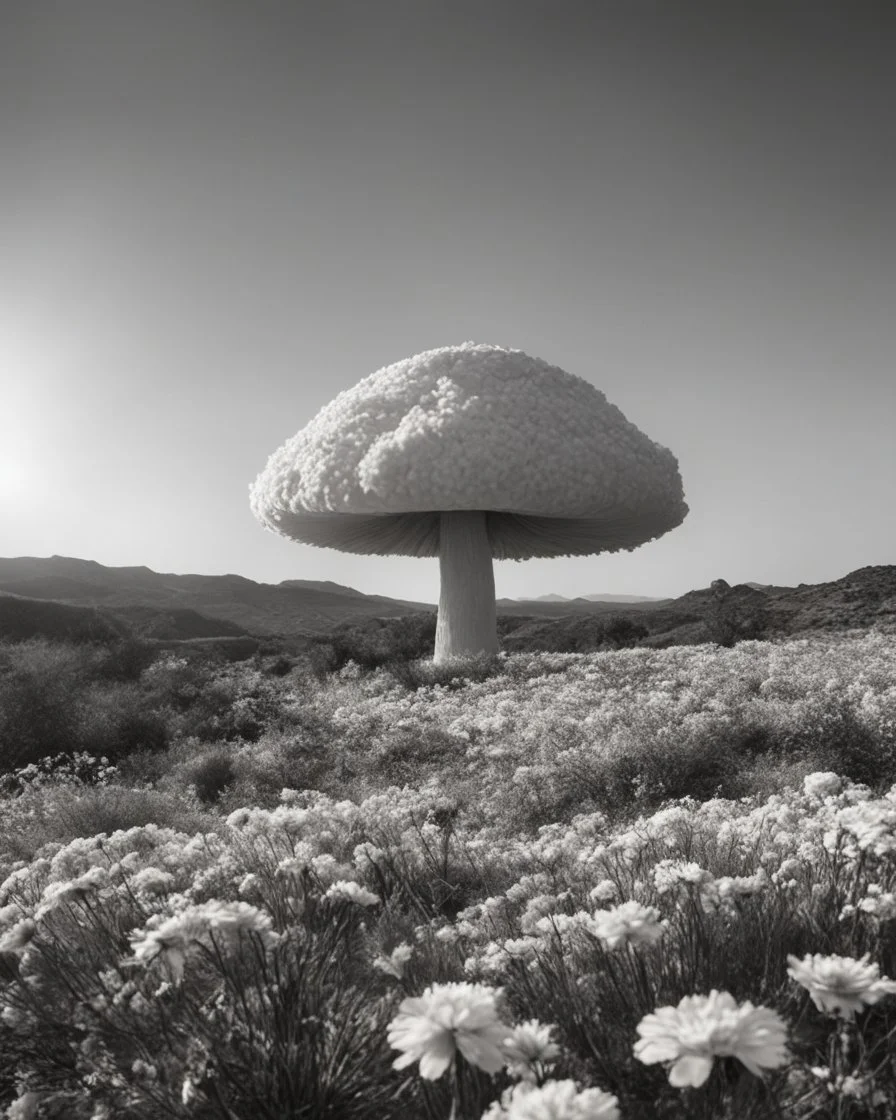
(607, 598)
(66, 596)
(291, 607)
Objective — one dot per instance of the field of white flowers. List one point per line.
(641, 884)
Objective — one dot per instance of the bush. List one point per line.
(574, 634)
(280, 666)
(648, 777)
(622, 633)
(287, 759)
(59, 813)
(374, 643)
(845, 744)
(126, 660)
(62, 699)
(40, 687)
(61, 769)
(116, 720)
(406, 757)
(736, 614)
(175, 682)
(453, 674)
(202, 699)
(211, 775)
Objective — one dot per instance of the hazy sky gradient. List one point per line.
(215, 216)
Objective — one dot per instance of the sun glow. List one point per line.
(14, 482)
(30, 362)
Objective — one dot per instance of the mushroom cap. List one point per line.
(558, 470)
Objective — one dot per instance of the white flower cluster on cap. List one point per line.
(471, 427)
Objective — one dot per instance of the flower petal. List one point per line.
(435, 1061)
(690, 1070)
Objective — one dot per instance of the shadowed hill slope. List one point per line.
(22, 618)
(291, 607)
(165, 606)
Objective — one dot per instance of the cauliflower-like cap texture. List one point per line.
(557, 468)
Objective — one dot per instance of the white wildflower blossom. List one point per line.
(824, 783)
(249, 884)
(367, 855)
(630, 923)
(296, 864)
(629, 845)
(490, 960)
(169, 939)
(787, 872)
(870, 827)
(73, 890)
(328, 869)
(852, 1086)
(18, 937)
(840, 985)
(522, 948)
(675, 876)
(528, 1048)
(605, 891)
(722, 893)
(701, 1028)
(151, 880)
(10, 913)
(350, 891)
(554, 1100)
(25, 1106)
(566, 925)
(394, 963)
(537, 908)
(527, 886)
(880, 904)
(445, 1020)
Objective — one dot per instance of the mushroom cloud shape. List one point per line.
(470, 453)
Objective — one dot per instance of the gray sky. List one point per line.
(215, 216)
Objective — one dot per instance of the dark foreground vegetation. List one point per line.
(262, 858)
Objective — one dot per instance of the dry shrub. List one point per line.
(211, 774)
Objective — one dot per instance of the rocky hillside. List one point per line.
(722, 613)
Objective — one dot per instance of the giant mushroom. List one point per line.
(470, 453)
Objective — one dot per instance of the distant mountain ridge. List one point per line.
(228, 601)
(166, 606)
(323, 585)
(594, 599)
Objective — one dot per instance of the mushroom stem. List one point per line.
(467, 622)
